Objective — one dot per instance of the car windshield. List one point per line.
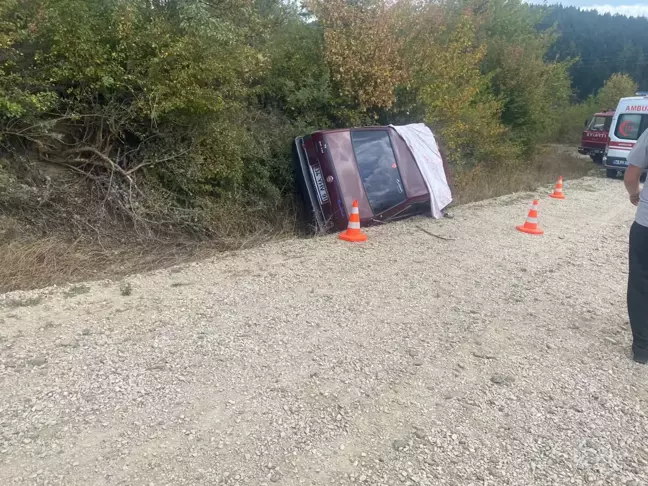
(598, 124)
(378, 169)
(631, 126)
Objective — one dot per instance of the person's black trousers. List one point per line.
(638, 290)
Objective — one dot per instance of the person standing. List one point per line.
(638, 275)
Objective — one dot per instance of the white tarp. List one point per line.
(420, 140)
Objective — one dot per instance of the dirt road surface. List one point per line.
(494, 358)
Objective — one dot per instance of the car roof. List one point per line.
(634, 98)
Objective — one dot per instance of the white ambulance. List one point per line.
(629, 122)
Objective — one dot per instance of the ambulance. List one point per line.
(629, 122)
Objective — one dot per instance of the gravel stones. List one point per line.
(501, 379)
(68, 343)
(399, 444)
(419, 434)
(38, 361)
(271, 358)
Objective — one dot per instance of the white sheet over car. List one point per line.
(420, 140)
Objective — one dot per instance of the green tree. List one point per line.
(570, 125)
(142, 87)
(600, 46)
(454, 93)
(533, 90)
(363, 49)
(617, 86)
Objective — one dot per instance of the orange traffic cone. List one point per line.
(558, 191)
(530, 226)
(353, 232)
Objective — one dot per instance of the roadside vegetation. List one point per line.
(140, 133)
(572, 123)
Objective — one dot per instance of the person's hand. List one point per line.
(634, 198)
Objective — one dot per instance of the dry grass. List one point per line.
(545, 168)
(32, 261)
(77, 290)
(26, 302)
(28, 264)
(36, 262)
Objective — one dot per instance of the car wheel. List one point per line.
(611, 173)
(643, 177)
(597, 159)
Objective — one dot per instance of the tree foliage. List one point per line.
(533, 90)
(176, 110)
(452, 89)
(363, 49)
(601, 45)
(619, 85)
(570, 125)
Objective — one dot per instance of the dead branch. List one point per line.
(435, 236)
(108, 162)
(158, 161)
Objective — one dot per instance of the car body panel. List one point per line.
(348, 177)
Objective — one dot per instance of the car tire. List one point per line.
(643, 177)
(611, 173)
(597, 159)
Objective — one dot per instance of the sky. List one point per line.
(624, 7)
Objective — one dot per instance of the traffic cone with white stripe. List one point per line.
(353, 232)
(558, 191)
(531, 226)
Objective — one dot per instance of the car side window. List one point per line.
(378, 169)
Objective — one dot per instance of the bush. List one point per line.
(571, 123)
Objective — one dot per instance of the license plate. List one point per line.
(620, 163)
(322, 193)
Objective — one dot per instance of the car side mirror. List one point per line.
(585, 125)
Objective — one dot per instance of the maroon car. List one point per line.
(372, 165)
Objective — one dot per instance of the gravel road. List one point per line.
(489, 358)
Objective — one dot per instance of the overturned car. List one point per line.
(392, 171)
